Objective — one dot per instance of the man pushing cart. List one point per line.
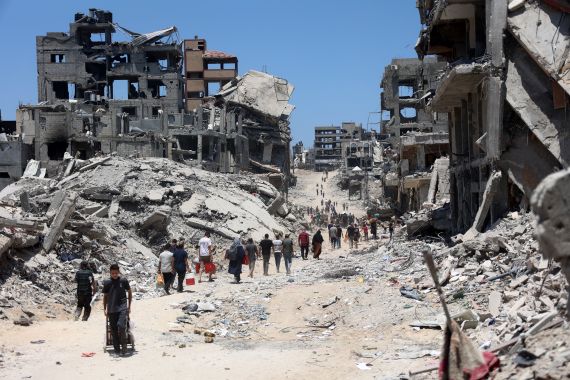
(117, 308)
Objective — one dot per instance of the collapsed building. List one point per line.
(149, 97)
(414, 139)
(505, 89)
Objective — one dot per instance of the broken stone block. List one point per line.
(495, 303)
(59, 221)
(283, 210)
(156, 195)
(5, 244)
(510, 295)
(158, 220)
(177, 189)
(102, 212)
(518, 281)
(113, 209)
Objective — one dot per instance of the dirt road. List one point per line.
(319, 323)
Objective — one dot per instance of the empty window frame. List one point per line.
(57, 58)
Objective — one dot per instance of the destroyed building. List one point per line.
(414, 138)
(505, 89)
(151, 96)
(342, 147)
(206, 71)
(328, 152)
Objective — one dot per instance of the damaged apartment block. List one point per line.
(152, 96)
(506, 91)
(414, 138)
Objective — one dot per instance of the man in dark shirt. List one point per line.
(350, 233)
(86, 287)
(181, 264)
(116, 307)
(266, 245)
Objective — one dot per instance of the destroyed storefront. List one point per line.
(506, 93)
(100, 96)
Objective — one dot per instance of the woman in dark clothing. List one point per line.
(235, 255)
(317, 244)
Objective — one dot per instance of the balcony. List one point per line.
(457, 83)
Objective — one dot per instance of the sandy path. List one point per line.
(371, 318)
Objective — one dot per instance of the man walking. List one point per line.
(374, 228)
(333, 235)
(86, 287)
(277, 251)
(288, 252)
(181, 264)
(349, 234)
(338, 234)
(304, 240)
(166, 267)
(117, 307)
(266, 246)
(205, 255)
(252, 253)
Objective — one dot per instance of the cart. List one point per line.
(109, 337)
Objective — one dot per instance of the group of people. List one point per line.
(174, 261)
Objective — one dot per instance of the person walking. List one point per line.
(391, 229)
(303, 240)
(205, 248)
(374, 228)
(317, 244)
(266, 246)
(349, 234)
(166, 267)
(235, 254)
(86, 287)
(277, 251)
(339, 235)
(252, 253)
(333, 234)
(356, 235)
(288, 249)
(365, 231)
(117, 302)
(180, 264)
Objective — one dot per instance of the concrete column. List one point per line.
(421, 157)
(490, 190)
(494, 116)
(199, 148)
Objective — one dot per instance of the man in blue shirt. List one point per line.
(181, 264)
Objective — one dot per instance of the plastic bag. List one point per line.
(245, 260)
(159, 280)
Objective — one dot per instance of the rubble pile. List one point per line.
(501, 291)
(114, 209)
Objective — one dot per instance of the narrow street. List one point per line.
(285, 345)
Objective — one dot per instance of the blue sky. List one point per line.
(333, 51)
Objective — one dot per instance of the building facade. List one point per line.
(506, 96)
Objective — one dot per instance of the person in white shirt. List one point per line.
(166, 267)
(277, 251)
(205, 255)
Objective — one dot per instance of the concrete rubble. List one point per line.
(120, 210)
